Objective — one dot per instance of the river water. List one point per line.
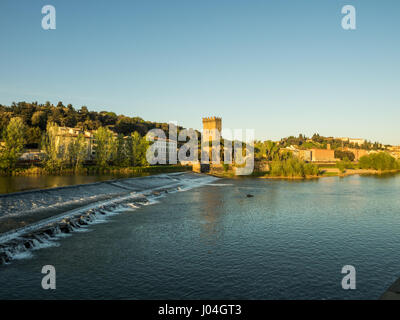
(289, 241)
(22, 183)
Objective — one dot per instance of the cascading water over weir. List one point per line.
(36, 219)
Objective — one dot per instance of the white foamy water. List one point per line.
(22, 255)
(19, 244)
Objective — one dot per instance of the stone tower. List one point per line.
(212, 127)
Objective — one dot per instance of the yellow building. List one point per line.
(212, 127)
(65, 135)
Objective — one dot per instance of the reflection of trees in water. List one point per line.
(22, 183)
(215, 202)
(211, 208)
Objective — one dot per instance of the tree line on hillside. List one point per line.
(284, 163)
(319, 142)
(36, 116)
(121, 151)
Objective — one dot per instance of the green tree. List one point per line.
(293, 167)
(272, 150)
(33, 137)
(14, 141)
(77, 151)
(344, 164)
(139, 148)
(105, 146)
(340, 154)
(51, 147)
(39, 119)
(379, 161)
(121, 158)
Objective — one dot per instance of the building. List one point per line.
(394, 151)
(32, 155)
(358, 153)
(164, 146)
(359, 142)
(212, 127)
(323, 155)
(65, 135)
(305, 155)
(291, 149)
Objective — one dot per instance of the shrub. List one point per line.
(293, 167)
(379, 161)
(344, 164)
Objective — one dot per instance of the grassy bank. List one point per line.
(92, 170)
(331, 172)
(322, 172)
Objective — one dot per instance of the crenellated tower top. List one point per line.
(212, 123)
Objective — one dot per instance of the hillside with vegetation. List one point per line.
(36, 116)
(120, 141)
(320, 142)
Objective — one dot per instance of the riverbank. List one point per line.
(37, 178)
(327, 172)
(90, 170)
(393, 292)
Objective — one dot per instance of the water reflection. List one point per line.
(289, 241)
(212, 202)
(23, 183)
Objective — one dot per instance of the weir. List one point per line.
(36, 219)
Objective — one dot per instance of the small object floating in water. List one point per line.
(250, 196)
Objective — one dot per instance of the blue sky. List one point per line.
(279, 67)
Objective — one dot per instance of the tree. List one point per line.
(77, 151)
(379, 161)
(293, 167)
(260, 149)
(121, 158)
(51, 147)
(340, 154)
(39, 119)
(272, 150)
(344, 164)
(33, 137)
(38, 115)
(139, 148)
(14, 141)
(105, 146)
